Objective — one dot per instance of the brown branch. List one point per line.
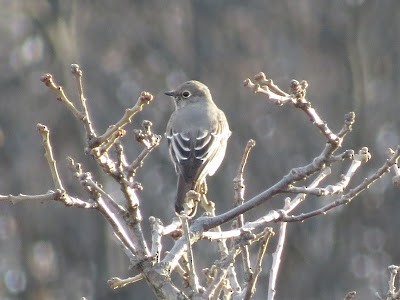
(193, 279)
(116, 282)
(294, 175)
(14, 199)
(299, 92)
(276, 261)
(156, 234)
(57, 195)
(239, 188)
(346, 198)
(271, 216)
(150, 140)
(121, 159)
(105, 147)
(362, 157)
(223, 264)
(77, 73)
(267, 87)
(251, 287)
(348, 154)
(296, 97)
(392, 292)
(47, 79)
(130, 236)
(48, 153)
(232, 281)
(144, 98)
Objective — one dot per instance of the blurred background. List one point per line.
(347, 50)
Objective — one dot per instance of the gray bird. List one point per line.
(197, 134)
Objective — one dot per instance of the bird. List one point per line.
(197, 134)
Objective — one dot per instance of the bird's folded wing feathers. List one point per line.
(193, 151)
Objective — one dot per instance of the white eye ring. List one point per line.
(186, 94)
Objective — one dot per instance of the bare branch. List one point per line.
(267, 87)
(156, 234)
(299, 91)
(250, 289)
(276, 261)
(392, 293)
(116, 283)
(294, 175)
(297, 98)
(131, 238)
(192, 271)
(150, 140)
(239, 188)
(348, 154)
(77, 73)
(48, 153)
(362, 157)
(144, 98)
(221, 279)
(346, 198)
(223, 264)
(47, 79)
(105, 147)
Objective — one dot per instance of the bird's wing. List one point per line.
(198, 153)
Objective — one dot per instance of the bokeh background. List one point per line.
(348, 51)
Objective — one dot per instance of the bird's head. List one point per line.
(190, 92)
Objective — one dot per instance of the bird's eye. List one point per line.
(186, 94)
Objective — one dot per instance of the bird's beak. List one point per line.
(170, 93)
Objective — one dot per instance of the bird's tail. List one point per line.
(182, 188)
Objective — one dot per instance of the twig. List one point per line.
(349, 120)
(192, 272)
(297, 97)
(299, 91)
(77, 73)
(181, 271)
(295, 174)
(47, 79)
(49, 196)
(277, 255)
(105, 147)
(144, 98)
(239, 188)
(150, 140)
(268, 88)
(346, 198)
(396, 177)
(348, 154)
(48, 153)
(156, 234)
(173, 228)
(232, 282)
(121, 160)
(116, 282)
(215, 287)
(130, 236)
(300, 198)
(271, 216)
(276, 261)
(362, 157)
(392, 293)
(261, 78)
(250, 289)
(91, 186)
(223, 264)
